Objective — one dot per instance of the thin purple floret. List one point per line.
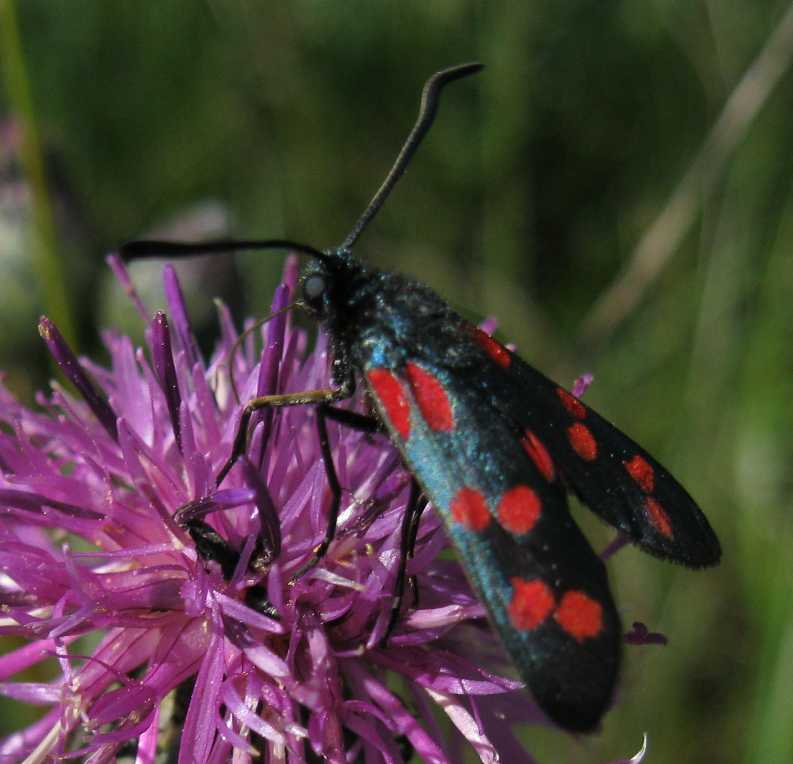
(72, 370)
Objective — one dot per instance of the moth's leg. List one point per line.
(210, 545)
(322, 396)
(410, 526)
(417, 503)
(410, 521)
(352, 419)
(357, 422)
(413, 533)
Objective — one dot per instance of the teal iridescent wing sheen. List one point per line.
(609, 472)
(546, 590)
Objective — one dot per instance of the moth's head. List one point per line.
(323, 282)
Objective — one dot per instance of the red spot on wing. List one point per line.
(641, 472)
(519, 509)
(431, 397)
(469, 508)
(533, 446)
(572, 404)
(532, 602)
(658, 517)
(494, 349)
(391, 394)
(579, 615)
(582, 441)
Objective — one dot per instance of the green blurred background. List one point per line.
(533, 196)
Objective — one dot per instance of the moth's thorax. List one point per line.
(381, 318)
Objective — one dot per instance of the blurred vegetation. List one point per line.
(528, 201)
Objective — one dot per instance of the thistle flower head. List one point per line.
(170, 604)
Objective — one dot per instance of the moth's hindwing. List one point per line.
(506, 512)
(609, 472)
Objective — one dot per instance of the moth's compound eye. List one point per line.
(315, 293)
(314, 288)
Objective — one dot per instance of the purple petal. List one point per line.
(178, 309)
(402, 720)
(19, 744)
(195, 463)
(489, 325)
(25, 657)
(120, 271)
(270, 663)
(290, 273)
(206, 409)
(242, 613)
(109, 741)
(233, 740)
(147, 743)
(35, 503)
(641, 635)
(224, 499)
(498, 715)
(72, 370)
(121, 703)
(271, 358)
(444, 671)
(166, 371)
(199, 726)
(270, 531)
(130, 398)
(35, 693)
(378, 744)
(246, 716)
(462, 719)
(620, 540)
(582, 383)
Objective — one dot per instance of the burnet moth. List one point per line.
(495, 446)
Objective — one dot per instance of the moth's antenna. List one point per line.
(430, 96)
(173, 250)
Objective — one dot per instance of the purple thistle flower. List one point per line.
(170, 604)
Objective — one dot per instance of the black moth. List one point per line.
(495, 446)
